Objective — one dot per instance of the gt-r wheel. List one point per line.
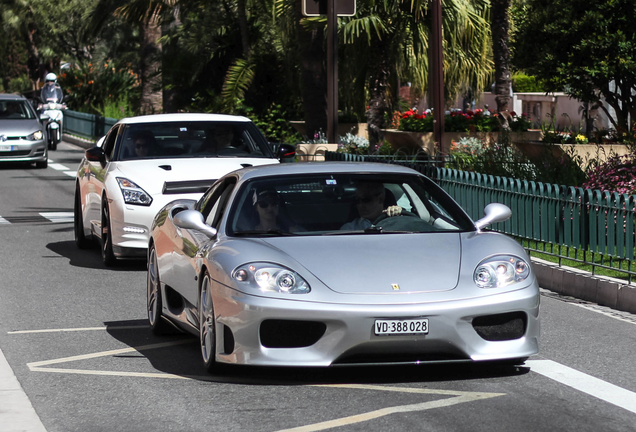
(81, 240)
(155, 303)
(107, 241)
(207, 331)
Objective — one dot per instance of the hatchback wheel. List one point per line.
(155, 304)
(81, 240)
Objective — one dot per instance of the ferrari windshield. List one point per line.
(344, 204)
(190, 139)
(15, 110)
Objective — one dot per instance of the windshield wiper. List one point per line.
(272, 232)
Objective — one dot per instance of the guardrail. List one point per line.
(89, 126)
(580, 225)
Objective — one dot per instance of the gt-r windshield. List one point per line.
(192, 139)
(15, 110)
(344, 204)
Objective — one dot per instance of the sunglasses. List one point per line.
(366, 199)
(265, 204)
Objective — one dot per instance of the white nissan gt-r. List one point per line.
(145, 162)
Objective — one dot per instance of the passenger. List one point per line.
(217, 139)
(370, 201)
(267, 204)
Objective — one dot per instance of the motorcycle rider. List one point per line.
(51, 92)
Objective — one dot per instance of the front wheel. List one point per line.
(108, 256)
(81, 240)
(207, 330)
(154, 300)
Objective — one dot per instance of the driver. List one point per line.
(51, 92)
(369, 200)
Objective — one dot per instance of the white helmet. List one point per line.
(50, 77)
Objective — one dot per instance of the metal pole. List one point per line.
(332, 72)
(437, 78)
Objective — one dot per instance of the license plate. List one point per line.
(6, 148)
(398, 327)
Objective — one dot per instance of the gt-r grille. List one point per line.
(192, 186)
(291, 333)
(501, 327)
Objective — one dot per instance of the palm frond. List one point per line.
(237, 80)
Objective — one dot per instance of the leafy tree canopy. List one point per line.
(586, 49)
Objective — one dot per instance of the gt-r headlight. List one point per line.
(271, 278)
(35, 136)
(132, 193)
(500, 271)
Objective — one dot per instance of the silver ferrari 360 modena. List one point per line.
(327, 264)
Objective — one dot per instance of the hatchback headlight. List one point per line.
(132, 193)
(35, 136)
(500, 271)
(271, 278)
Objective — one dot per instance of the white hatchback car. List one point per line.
(147, 161)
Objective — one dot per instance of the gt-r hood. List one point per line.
(378, 263)
(151, 174)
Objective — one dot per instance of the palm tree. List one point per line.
(393, 37)
(500, 25)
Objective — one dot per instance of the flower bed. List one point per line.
(457, 121)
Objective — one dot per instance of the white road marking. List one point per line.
(586, 383)
(77, 329)
(58, 217)
(459, 397)
(57, 166)
(3, 221)
(16, 410)
(70, 173)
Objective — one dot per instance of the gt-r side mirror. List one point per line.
(494, 213)
(193, 220)
(286, 152)
(96, 154)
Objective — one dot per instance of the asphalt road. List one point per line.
(74, 334)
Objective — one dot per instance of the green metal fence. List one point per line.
(88, 126)
(574, 224)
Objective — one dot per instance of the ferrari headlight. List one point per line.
(271, 278)
(35, 136)
(132, 193)
(501, 271)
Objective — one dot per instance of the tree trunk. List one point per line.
(313, 76)
(377, 96)
(151, 93)
(499, 26)
(242, 19)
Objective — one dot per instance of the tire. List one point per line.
(154, 303)
(107, 242)
(42, 164)
(81, 240)
(207, 330)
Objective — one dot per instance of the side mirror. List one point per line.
(44, 118)
(96, 154)
(494, 213)
(193, 220)
(286, 152)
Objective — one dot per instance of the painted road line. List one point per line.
(70, 173)
(58, 217)
(586, 383)
(16, 410)
(58, 167)
(3, 221)
(459, 397)
(78, 329)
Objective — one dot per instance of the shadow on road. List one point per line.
(90, 258)
(184, 359)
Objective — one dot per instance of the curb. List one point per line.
(605, 291)
(82, 142)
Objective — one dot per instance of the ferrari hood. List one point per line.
(378, 263)
(152, 174)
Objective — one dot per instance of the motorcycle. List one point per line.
(53, 110)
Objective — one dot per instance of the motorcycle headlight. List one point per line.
(132, 193)
(500, 271)
(35, 136)
(271, 278)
